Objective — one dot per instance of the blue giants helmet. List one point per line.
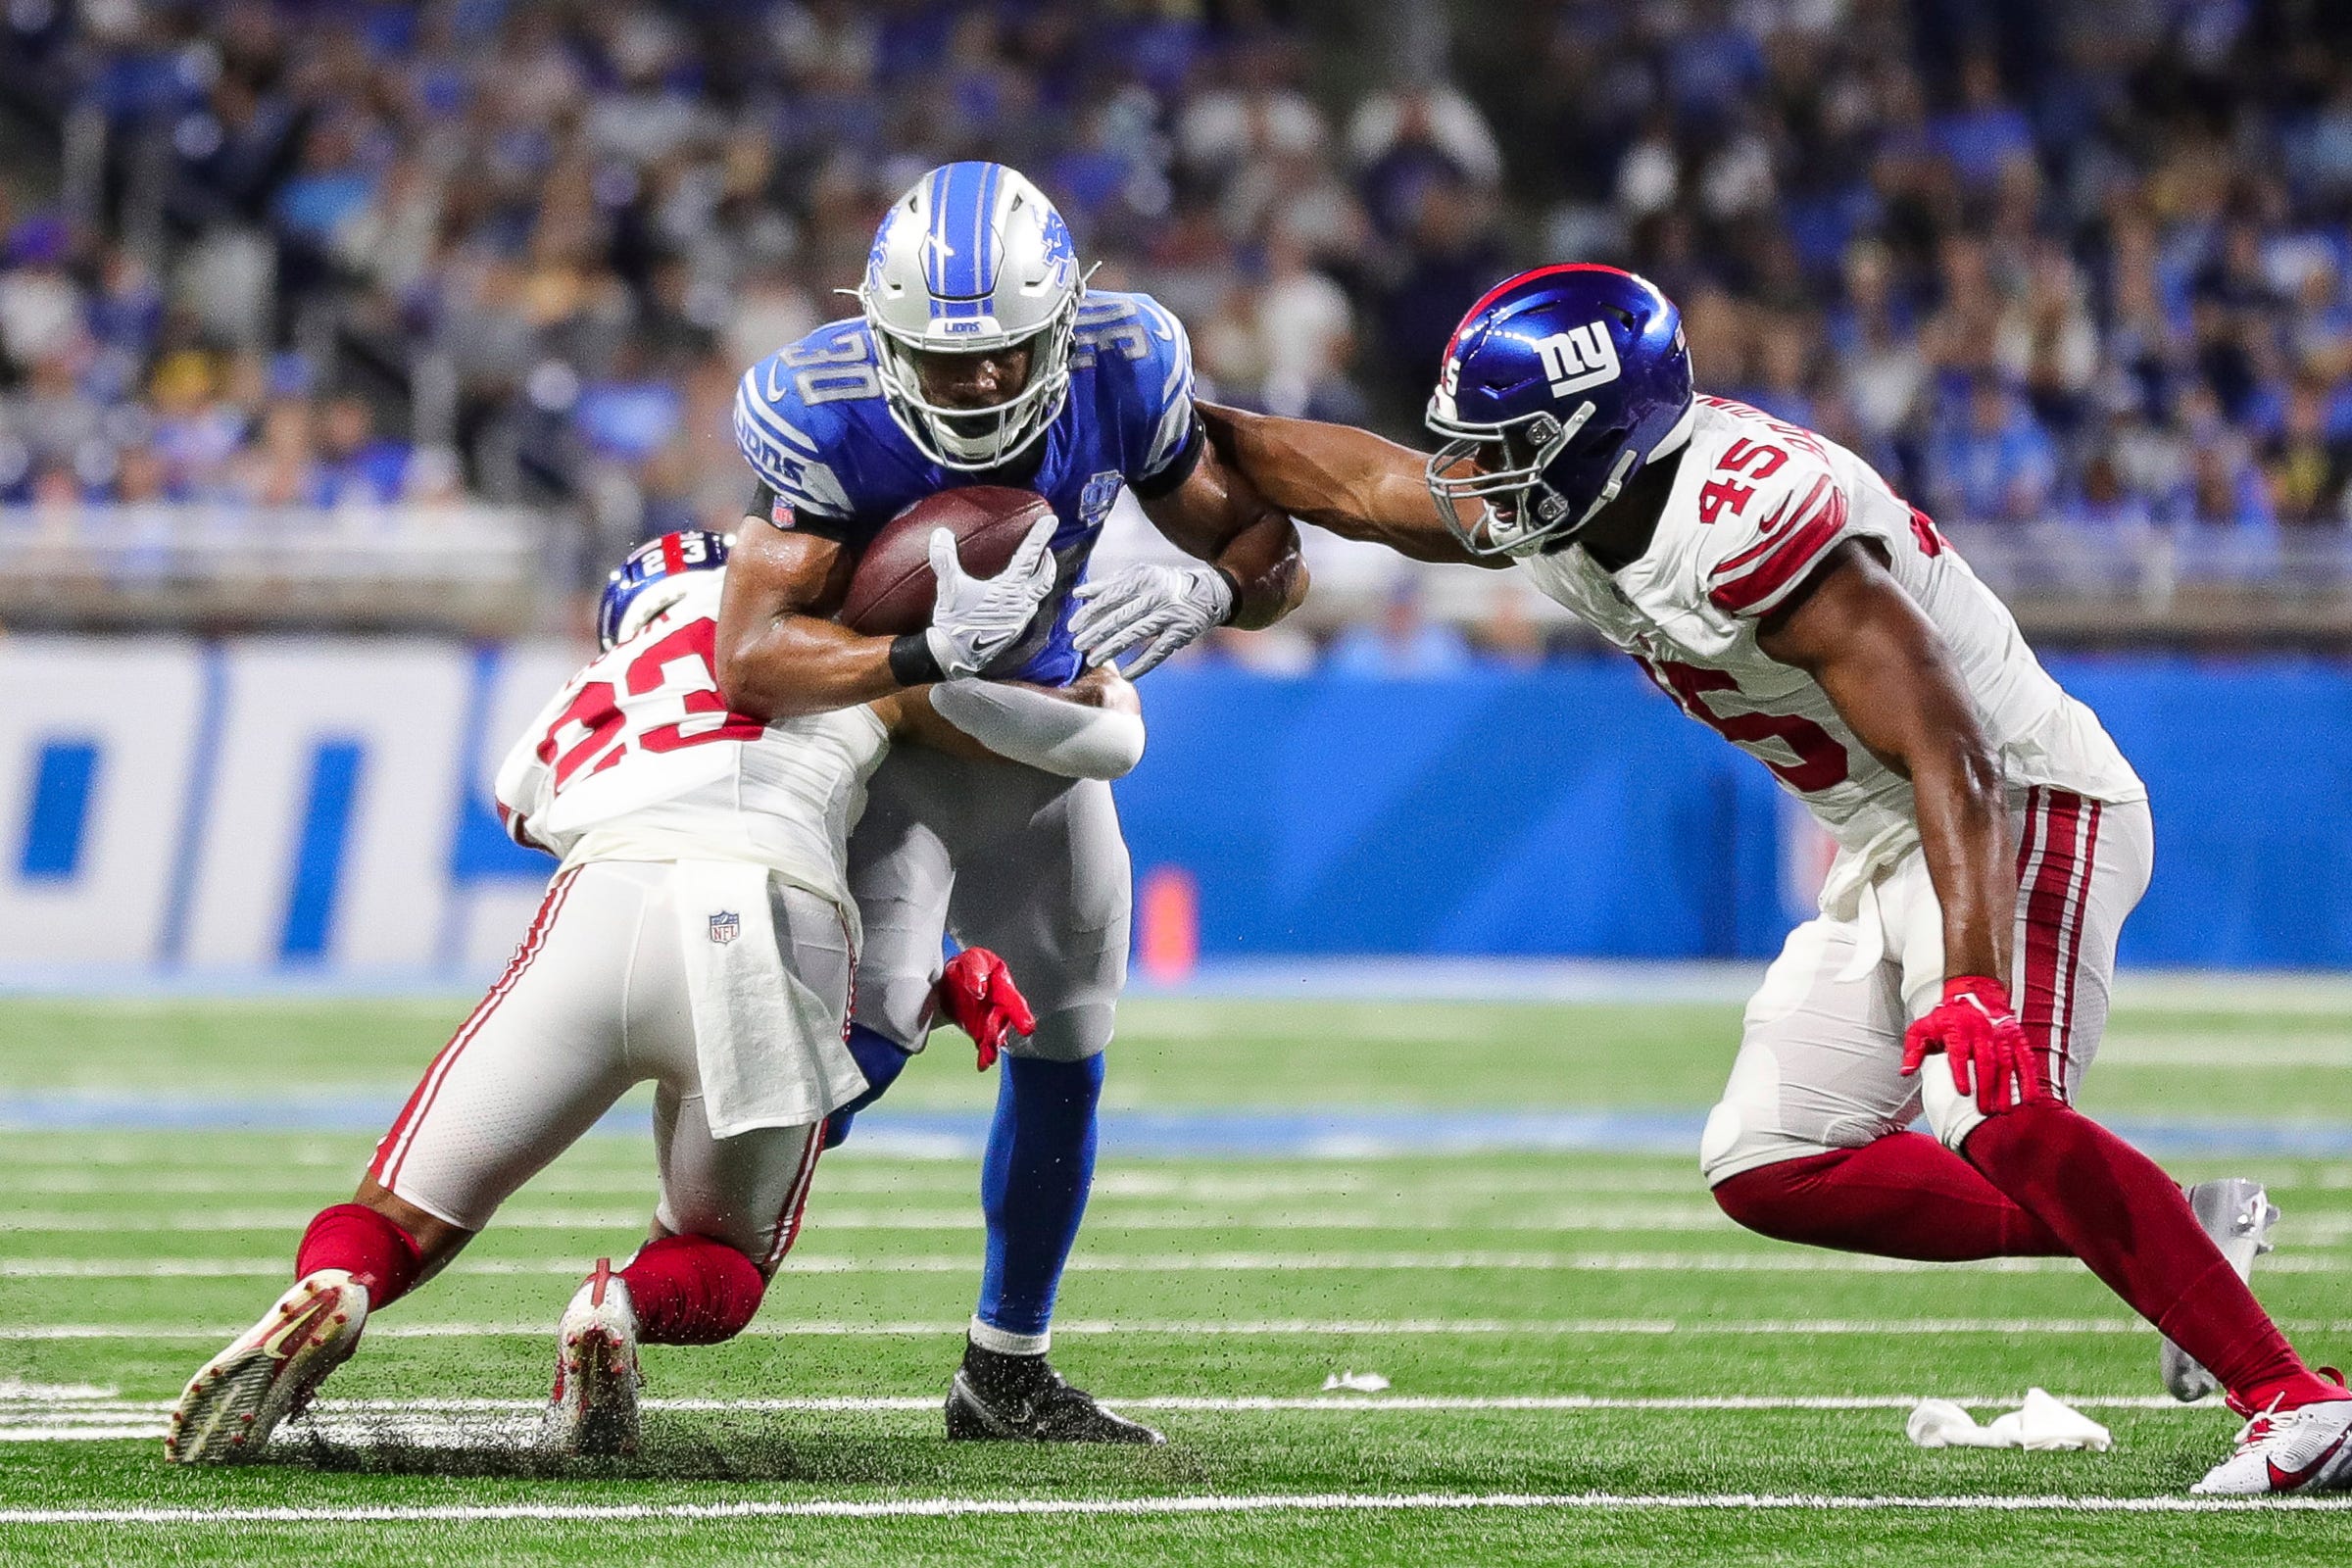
(1561, 383)
(653, 578)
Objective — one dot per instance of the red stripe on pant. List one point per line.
(394, 1148)
(2073, 939)
(796, 1201)
(2046, 970)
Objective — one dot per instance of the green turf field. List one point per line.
(1587, 1363)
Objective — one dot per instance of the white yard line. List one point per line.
(1788, 1262)
(1213, 1327)
(1115, 1507)
(2252, 1050)
(62, 1411)
(930, 1179)
(1630, 1218)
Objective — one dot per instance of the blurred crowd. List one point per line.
(2076, 259)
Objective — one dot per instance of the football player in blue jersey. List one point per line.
(979, 357)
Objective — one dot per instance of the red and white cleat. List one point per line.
(594, 1407)
(2308, 1448)
(236, 1400)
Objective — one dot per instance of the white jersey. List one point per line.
(1758, 502)
(638, 759)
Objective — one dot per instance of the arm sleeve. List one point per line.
(1798, 517)
(1045, 732)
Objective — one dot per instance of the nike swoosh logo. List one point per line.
(2290, 1480)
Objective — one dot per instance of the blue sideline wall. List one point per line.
(320, 807)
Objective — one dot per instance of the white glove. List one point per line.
(973, 619)
(1166, 606)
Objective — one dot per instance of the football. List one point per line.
(891, 590)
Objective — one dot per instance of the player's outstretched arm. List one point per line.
(1091, 728)
(777, 656)
(1254, 576)
(1343, 480)
(1891, 677)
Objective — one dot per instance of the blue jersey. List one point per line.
(811, 421)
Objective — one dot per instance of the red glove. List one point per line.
(976, 991)
(1978, 1034)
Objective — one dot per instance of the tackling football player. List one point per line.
(700, 933)
(979, 357)
(1991, 837)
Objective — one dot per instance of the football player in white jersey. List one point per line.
(1992, 838)
(700, 933)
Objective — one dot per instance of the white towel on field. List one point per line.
(2046, 1423)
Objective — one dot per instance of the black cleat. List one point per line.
(1021, 1398)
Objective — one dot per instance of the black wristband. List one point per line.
(1232, 583)
(911, 661)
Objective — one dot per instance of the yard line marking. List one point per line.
(71, 1268)
(929, 1178)
(2239, 1052)
(1688, 1218)
(14, 1388)
(1279, 1502)
(825, 1404)
(1307, 1327)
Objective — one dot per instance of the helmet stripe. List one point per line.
(934, 259)
(672, 558)
(982, 211)
(954, 268)
(1510, 283)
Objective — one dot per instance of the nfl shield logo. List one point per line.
(723, 927)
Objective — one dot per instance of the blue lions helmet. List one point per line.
(972, 260)
(652, 579)
(1560, 384)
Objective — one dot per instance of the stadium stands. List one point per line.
(2080, 289)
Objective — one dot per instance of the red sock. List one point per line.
(2120, 1213)
(1903, 1195)
(690, 1290)
(379, 1254)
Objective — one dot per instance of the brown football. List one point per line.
(891, 590)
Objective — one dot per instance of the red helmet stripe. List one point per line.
(673, 559)
(1510, 283)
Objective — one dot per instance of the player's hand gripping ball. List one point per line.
(1976, 1030)
(977, 993)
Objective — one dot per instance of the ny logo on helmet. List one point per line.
(1586, 355)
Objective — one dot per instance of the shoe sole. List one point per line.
(235, 1401)
(599, 1366)
(2218, 1205)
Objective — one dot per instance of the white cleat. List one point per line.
(236, 1400)
(2306, 1449)
(2239, 1215)
(594, 1407)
